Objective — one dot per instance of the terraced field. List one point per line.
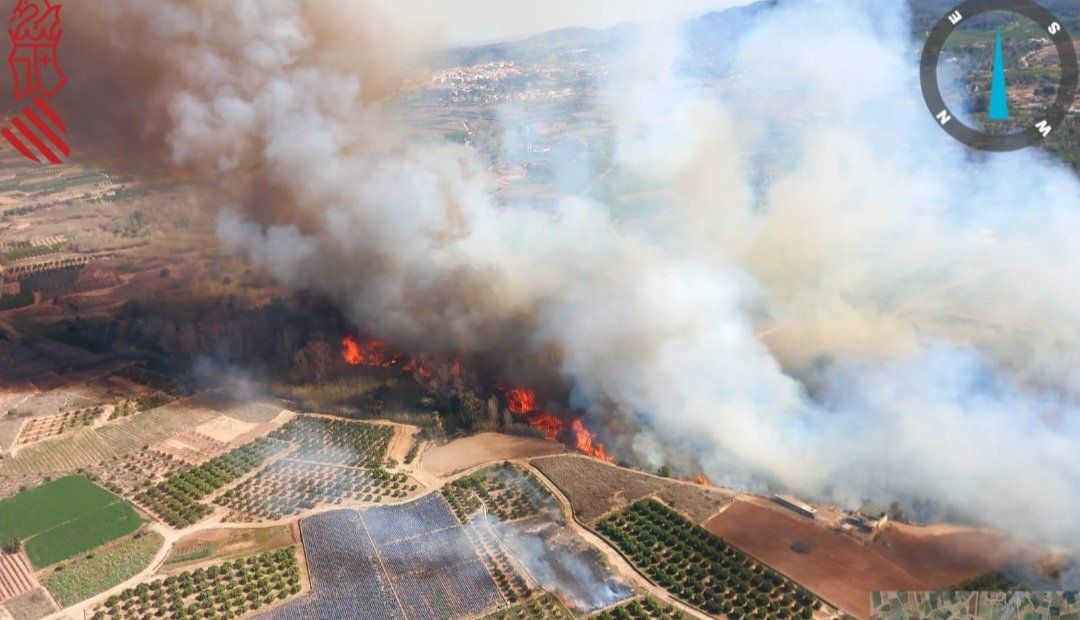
(88, 446)
(16, 576)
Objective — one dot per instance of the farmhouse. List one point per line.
(791, 503)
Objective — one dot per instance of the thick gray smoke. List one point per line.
(881, 314)
(572, 573)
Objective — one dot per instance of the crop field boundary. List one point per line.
(382, 565)
(565, 501)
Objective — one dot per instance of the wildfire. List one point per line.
(377, 353)
(351, 351)
(549, 424)
(583, 439)
(520, 401)
(701, 479)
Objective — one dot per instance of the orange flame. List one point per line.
(584, 443)
(520, 401)
(701, 479)
(549, 424)
(351, 352)
(377, 353)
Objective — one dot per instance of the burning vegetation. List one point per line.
(522, 403)
(378, 354)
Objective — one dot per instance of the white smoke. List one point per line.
(880, 314)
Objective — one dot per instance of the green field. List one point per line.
(86, 576)
(65, 517)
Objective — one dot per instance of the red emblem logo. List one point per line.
(37, 131)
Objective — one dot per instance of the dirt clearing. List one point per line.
(829, 563)
(944, 555)
(461, 454)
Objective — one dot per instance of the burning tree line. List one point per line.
(521, 402)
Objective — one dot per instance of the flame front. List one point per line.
(583, 439)
(520, 401)
(351, 352)
(377, 353)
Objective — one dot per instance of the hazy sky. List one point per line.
(471, 21)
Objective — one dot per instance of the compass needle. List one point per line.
(999, 98)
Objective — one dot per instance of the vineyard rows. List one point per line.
(88, 446)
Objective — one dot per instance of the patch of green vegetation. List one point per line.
(65, 517)
(194, 554)
(83, 534)
(647, 608)
(28, 251)
(176, 499)
(229, 590)
(997, 581)
(86, 576)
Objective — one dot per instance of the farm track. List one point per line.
(433, 483)
(611, 554)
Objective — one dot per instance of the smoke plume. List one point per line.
(833, 297)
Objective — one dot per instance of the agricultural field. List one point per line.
(336, 442)
(215, 545)
(407, 561)
(700, 568)
(287, 487)
(346, 577)
(30, 605)
(562, 562)
(595, 488)
(47, 427)
(85, 576)
(231, 589)
(89, 446)
(467, 452)
(10, 485)
(545, 607)
(132, 472)
(827, 562)
(503, 491)
(647, 608)
(65, 517)
(176, 499)
(16, 575)
(503, 569)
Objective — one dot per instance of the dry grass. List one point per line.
(212, 546)
(596, 488)
(31, 605)
(462, 454)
